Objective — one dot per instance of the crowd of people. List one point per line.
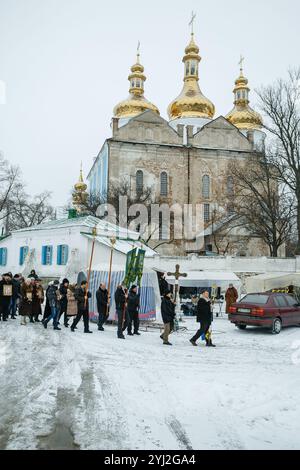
(65, 302)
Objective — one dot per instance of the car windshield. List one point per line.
(255, 299)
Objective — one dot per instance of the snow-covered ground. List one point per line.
(64, 390)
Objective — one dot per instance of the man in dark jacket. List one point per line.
(204, 317)
(6, 292)
(63, 290)
(52, 296)
(168, 315)
(16, 294)
(133, 305)
(120, 301)
(82, 295)
(102, 305)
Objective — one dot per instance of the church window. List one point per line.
(238, 95)
(138, 84)
(139, 182)
(193, 67)
(3, 256)
(164, 184)
(230, 186)
(187, 68)
(47, 252)
(149, 134)
(62, 255)
(206, 186)
(132, 84)
(206, 213)
(23, 253)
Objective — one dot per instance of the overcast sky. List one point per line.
(65, 65)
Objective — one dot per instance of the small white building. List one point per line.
(62, 248)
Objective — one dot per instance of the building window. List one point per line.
(3, 256)
(23, 253)
(164, 184)
(206, 212)
(47, 252)
(230, 186)
(139, 182)
(193, 67)
(206, 186)
(62, 255)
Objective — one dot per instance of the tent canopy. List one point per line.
(266, 282)
(206, 279)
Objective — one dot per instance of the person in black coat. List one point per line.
(168, 314)
(82, 296)
(6, 292)
(133, 305)
(204, 317)
(16, 295)
(163, 286)
(63, 290)
(102, 305)
(120, 301)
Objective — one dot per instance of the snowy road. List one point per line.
(64, 390)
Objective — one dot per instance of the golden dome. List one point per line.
(136, 103)
(242, 115)
(80, 186)
(191, 102)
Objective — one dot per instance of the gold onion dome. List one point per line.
(243, 116)
(136, 103)
(191, 103)
(80, 186)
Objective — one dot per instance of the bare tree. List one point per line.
(281, 105)
(9, 183)
(263, 205)
(27, 212)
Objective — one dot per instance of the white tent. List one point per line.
(150, 296)
(207, 279)
(266, 282)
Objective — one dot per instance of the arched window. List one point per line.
(206, 186)
(193, 67)
(139, 182)
(164, 184)
(230, 186)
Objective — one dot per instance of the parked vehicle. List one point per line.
(270, 310)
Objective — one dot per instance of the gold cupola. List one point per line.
(80, 194)
(243, 116)
(191, 103)
(136, 103)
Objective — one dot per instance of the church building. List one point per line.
(185, 159)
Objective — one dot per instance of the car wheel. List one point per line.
(277, 326)
(241, 327)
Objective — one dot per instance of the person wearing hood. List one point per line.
(204, 317)
(63, 291)
(33, 274)
(6, 292)
(133, 305)
(168, 315)
(53, 298)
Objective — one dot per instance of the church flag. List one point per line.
(139, 266)
(130, 267)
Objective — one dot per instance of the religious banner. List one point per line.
(130, 267)
(139, 266)
(7, 290)
(29, 296)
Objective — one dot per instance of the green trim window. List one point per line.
(47, 255)
(62, 255)
(3, 256)
(23, 253)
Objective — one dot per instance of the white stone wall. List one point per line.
(226, 263)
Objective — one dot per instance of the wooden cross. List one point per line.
(191, 23)
(177, 275)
